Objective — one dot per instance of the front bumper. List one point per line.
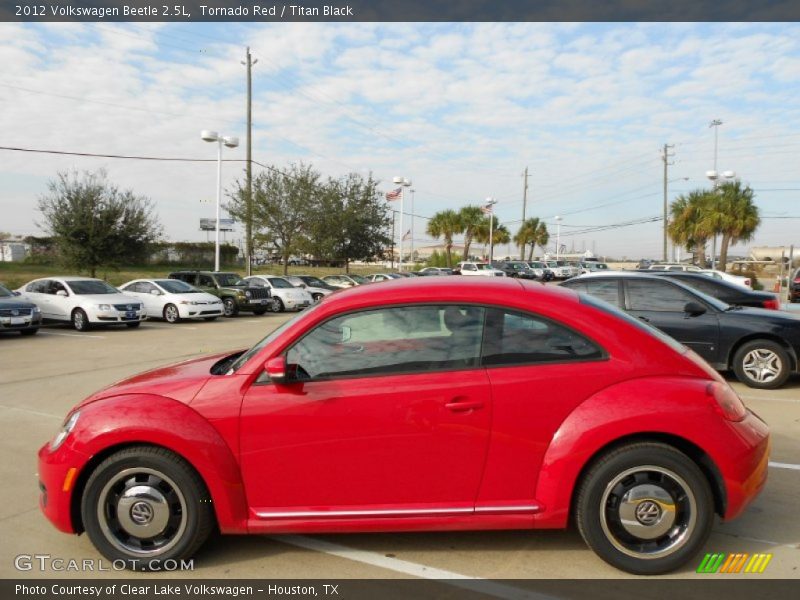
(20, 323)
(188, 311)
(56, 484)
(115, 316)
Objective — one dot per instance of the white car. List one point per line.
(173, 300)
(284, 295)
(561, 270)
(313, 285)
(83, 301)
(479, 269)
(737, 279)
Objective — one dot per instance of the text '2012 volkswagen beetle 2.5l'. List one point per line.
(444, 404)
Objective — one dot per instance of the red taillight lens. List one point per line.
(772, 304)
(726, 402)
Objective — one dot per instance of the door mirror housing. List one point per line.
(62, 293)
(275, 368)
(155, 292)
(694, 309)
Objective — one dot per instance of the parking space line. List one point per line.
(165, 326)
(77, 335)
(780, 465)
(31, 412)
(765, 399)
(467, 582)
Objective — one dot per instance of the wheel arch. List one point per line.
(763, 336)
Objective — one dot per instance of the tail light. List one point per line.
(726, 402)
(772, 304)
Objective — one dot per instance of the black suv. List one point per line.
(236, 294)
(17, 314)
(515, 268)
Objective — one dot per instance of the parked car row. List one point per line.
(761, 346)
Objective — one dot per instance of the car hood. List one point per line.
(201, 297)
(108, 298)
(180, 381)
(16, 303)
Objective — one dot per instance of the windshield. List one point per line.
(4, 293)
(270, 338)
(279, 282)
(313, 281)
(174, 286)
(229, 279)
(518, 266)
(358, 278)
(91, 286)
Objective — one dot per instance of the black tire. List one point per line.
(133, 325)
(259, 311)
(276, 305)
(171, 499)
(317, 297)
(210, 318)
(29, 331)
(230, 307)
(762, 364)
(171, 314)
(619, 508)
(80, 321)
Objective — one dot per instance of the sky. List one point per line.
(461, 109)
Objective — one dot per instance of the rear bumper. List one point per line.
(744, 469)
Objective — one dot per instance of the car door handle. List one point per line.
(461, 405)
(645, 319)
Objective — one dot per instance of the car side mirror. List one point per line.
(694, 309)
(275, 368)
(62, 293)
(155, 292)
(303, 285)
(16, 293)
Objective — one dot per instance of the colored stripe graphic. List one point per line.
(719, 562)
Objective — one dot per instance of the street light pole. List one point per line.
(558, 236)
(230, 142)
(403, 183)
(412, 224)
(490, 202)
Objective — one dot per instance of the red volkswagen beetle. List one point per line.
(418, 404)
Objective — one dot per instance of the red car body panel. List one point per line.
(484, 448)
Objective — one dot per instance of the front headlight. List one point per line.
(36, 309)
(248, 293)
(104, 306)
(66, 429)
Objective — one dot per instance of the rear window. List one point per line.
(638, 323)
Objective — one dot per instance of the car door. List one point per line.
(661, 303)
(388, 414)
(60, 305)
(153, 303)
(540, 371)
(36, 292)
(207, 284)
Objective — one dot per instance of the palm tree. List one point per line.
(734, 216)
(690, 225)
(471, 218)
(445, 224)
(533, 232)
(499, 233)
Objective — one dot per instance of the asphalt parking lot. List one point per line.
(42, 376)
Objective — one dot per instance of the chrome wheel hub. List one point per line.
(762, 366)
(648, 512)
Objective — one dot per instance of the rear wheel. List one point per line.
(171, 314)
(645, 508)
(762, 364)
(146, 504)
(80, 321)
(317, 297)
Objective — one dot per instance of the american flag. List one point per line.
(394, 194)
(487, 210)
(407, 235)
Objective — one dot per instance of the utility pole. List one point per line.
(665, 157)
(394, 213)
(524, 206)
(249, 62)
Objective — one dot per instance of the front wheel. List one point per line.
(230, 308)
(762, 364)
(171, 314)
(80, 321)
(276, 305)
(144, 505)
(645, 508)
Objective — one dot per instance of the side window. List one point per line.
(145, 287)
(403, 339)
(205, 281)
(657, 296)
(38, 287)
(56, 287)
(605, 289)
(513, 338)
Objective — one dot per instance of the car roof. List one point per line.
(68, 278)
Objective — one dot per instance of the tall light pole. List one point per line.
(558, 236)
(403, 183)
(230, 142)
(412, 223)
(489, 208)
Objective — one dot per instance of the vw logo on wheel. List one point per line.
(141, 513)
(648, 512)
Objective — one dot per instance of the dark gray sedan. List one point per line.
(17, 314)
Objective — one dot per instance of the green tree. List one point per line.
(499, 234)
(94, 224)
(690, 225)
(446, 224)
(532, 232)
(471, 218)
(284, 205)
(350, 222)
(731, 213)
